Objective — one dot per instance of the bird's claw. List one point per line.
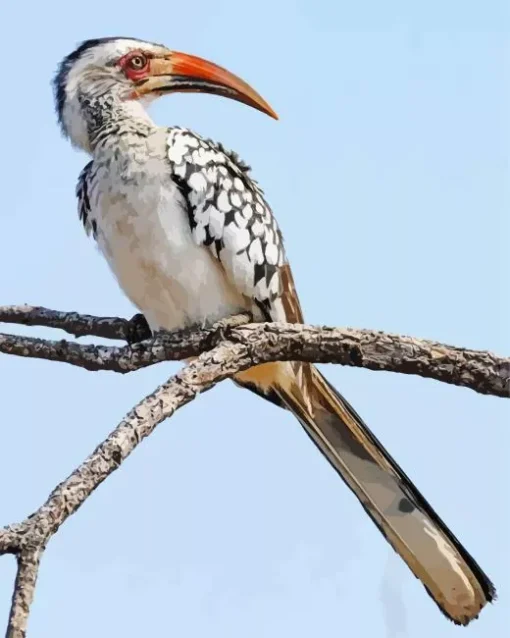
(137, 329)
(221, 329)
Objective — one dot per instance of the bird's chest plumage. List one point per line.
(143, 230)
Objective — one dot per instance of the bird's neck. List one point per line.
(107, 117)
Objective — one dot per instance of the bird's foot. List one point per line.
(234, 321)
(221, 329)
(137, 329)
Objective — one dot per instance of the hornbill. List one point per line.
(191, 240)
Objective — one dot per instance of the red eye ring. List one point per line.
(135, 65)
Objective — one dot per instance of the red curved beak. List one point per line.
(181, 72)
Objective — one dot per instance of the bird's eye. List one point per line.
(137, 62)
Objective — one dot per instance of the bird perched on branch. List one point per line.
(191, 240)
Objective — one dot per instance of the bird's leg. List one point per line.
(221, 329)
(137, 329)
(233, 321)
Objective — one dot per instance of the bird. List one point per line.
(191, 240)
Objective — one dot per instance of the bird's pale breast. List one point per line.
(144, 233)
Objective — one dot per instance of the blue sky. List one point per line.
(388, 172)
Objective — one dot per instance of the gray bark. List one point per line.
(222, 351)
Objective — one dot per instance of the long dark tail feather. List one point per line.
(449, 573)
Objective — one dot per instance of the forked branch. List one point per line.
(222, 351)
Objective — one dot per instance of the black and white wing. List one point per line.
(228, 214)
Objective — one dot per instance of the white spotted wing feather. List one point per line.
(228, 214)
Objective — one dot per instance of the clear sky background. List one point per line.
(388, 172)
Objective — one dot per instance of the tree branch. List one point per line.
(223, 350)
(72, 322)
(480, 371)
(24, 589)
(29, 538)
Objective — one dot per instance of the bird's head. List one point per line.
(108, 72)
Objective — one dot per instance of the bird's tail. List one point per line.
(451, 576)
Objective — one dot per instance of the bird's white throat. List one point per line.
(90, 119)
